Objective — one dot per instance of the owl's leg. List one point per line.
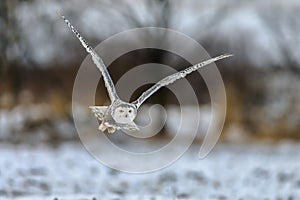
(102, 127)
(111, 129)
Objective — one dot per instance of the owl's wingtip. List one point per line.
(92, 108)
(59, 13)
(228, 55)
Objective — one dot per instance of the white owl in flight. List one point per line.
(119, 114)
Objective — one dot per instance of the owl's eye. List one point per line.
(121, 111)
(130, 111)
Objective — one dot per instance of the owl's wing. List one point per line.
(172, 78)
(97, 60)
(99, 111)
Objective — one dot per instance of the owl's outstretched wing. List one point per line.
(99, 111)
(97, 60)
(172, 78)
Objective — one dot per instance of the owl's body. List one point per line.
(120, 114)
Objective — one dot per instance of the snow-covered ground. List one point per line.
(231, 171)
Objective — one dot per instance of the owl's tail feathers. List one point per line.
(99, 111)
(130, 127)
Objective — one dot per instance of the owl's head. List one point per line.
(124, 113)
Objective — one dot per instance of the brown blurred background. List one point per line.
(40, 58)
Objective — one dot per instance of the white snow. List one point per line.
(229, 172)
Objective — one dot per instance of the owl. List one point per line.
(119, 114)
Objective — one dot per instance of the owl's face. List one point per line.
(124, 113)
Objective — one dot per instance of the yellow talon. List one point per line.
(102, 127)
(111, 130)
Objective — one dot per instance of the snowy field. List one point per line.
(229, 172)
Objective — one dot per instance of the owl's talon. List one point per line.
(102, 127)
(111, 130)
